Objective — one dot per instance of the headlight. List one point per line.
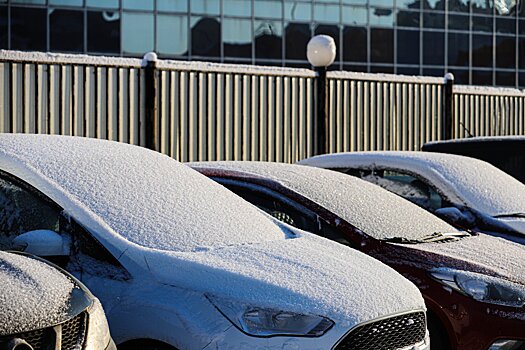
(266, 322)
(481, 287)
(98, 336)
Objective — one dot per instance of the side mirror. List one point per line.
(455, 216)
(42, 243)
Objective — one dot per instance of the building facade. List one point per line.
(481, 41)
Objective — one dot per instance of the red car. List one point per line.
(473, 285)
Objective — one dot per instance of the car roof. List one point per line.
(464, 180)
(371, 209)
(133, 194)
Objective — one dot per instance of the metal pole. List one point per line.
(446, 124)
(150, 60)
(321, 110)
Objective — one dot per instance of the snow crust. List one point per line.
(488, 90)
(383, 77)
(463, 180)
(33, 295)
(368, 207)
(145, 197)
(480, 138)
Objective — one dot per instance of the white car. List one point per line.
(44, 307)
(179, 261)
(464, 191)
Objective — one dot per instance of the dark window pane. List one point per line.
(505, 52)
(237, 37)
(408, 4)
(32, 2)
(434, 48)
(521, 53)
(521, 28)
(67, 30)
(297, 37)
(408, 46)
(355, 68)
(482, 24)
(137, 33)
(408, 19)
(459, 6)
(382, 45)
(407, 71)
(459, 22)
(458, 49)
(206, 37)
(172, 34)
(434, 20)
(28, 28)
(268, 39)
(430, 72)
(521, 78)
(506, 25)
(3, 27)
(482, 51)
(481, 77)
(104, 32)
(434, 5)
(484, 7)
(382, 69)
(506, 79)
(332, 31)
(460, 76)
(354, 44)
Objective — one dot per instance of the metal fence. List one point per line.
(205, 111)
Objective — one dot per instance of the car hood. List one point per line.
(306, 274)
(493, 256)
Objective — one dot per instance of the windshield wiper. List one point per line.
(510, 215)
(435, 237)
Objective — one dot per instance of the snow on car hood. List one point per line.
(134, 194)
(33, 295)
(307, 274)
(463, 180)
(368, 207)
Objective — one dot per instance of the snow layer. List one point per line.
(145, 197)
(463, 180)
(33, 294)
(373, 210)
(390, 78)
(480, 138)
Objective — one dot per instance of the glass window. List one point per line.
(382, 45)
(3, 28)
(484, 7)
(382, 69)
(298, 11)
(28, 28)
(381, 17)
(407, 71)
(103, 32)
(355, 2)
(434, 20)
(205, 37)
(408, 19)
(355, 44)
(506, 25)
(172, 5)
(505, 52)
(137, 5)
(459, 6)
(32, 2)
(459, 22)
(521, 77)
(482, 24)
(268, 9)
(461, 76)
(408, 4)
(108, 4)
(458, 49)
(506, 78)
(66, 30)
(505, 7)
(326, 13)
(408, 46)
(434, 5)
(297, 36)
(383, 3)
(521, 53)
(207, 7)
(237, 37)
(172, 35)
(355, 15)
(434, 48)
(355, 68)
(66, 2)
(268, 39)
(482, 51)
(240, 8)
(521, 26)
(481, 77)
(137, 33)
(433, 72)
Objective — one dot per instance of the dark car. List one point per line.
(44, 307)
(504, 152)
(473, 285)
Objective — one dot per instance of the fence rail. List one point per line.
(205, 111)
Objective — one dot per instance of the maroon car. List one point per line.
(474, 285)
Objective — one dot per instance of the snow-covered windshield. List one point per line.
(375, 211)
(144, 196)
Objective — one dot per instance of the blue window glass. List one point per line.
(32, 2)
(383, 17)
(66, 30)
(355, 15)
(237, 37)
(505, 52)
(297, 36)
(326, 13)
(382, 45)
(408, 46)
(268, 39)
(482, 50)
(172, 5)
(137, 33)
(382, 3)
(205, 37)
(268, 9)
(298, 11)
(355, 46)
(28, 28)
(408, 18)
(505, 7)
(433, 48)
(137, 5)
(408, 4)
(458, 49)
(205, 7)
(108, 4)
(434, 5)
(355, 2)
(172, 35)
(66, 2)
(241, 8)
(459, 6)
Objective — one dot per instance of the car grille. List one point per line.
(389, 334)
(73, 333)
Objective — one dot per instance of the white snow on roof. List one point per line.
(383, 77)
(145, 197)
(33, 295)
(373, 210)
(464, 180)
(480, 138)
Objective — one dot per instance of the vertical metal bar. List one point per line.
(5, 90)
(212, 117)
(54, 100)
(221, 118)
(184, 124)
(123, 106)
(29, 99)
(17, 97)
(112, 103)
(89, 93)
(66, 108)
(174, 115)
(102, 95)
(202, 102)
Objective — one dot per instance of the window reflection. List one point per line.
(326, 13)
(381, 17)
(460, 22)
(172, 5)
(459, 5)
(355, 15)
(408, 19)
(237, 8)
(482, 24)
(482, 50)
(505, 52)
(28, 28)
(237, 37)
(297, 11)
(172, 35)
(433, 72)
(355, 44)
(32, 2)
(434, 5)
(268, 39)
(297, 36)
(66, 30)
(3, 28)
(382, 45)
(66, 2)
(434, 20)
(355, 2)
(103, 32)
(481, 77)
(458, 49)
(208, 7)
(408, 4)
(268, 8)
(205, 37)
(433, 48)
(506, 25)
(383, 3)
(137, 4)
(505, 78)
(109, 4)
(521, 54)
(407, 71)
(137, 33)
(461, 76)
(408, 46)
(505, 7)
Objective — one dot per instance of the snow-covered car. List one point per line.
(44, 307)
(179, 261)
(463, 191)
(474, 285)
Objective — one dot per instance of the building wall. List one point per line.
(482, 42)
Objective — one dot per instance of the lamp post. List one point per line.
(320, 52)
